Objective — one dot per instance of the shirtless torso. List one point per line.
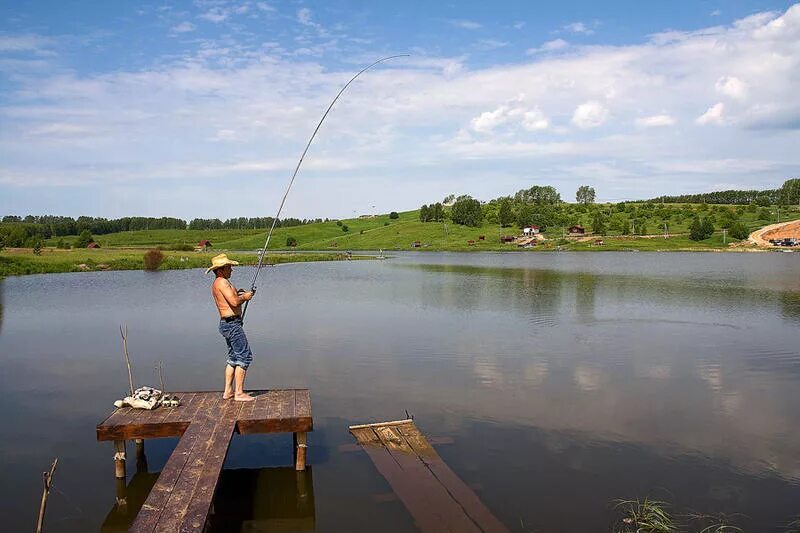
(228, 300)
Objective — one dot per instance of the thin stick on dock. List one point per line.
(48, 481)
(161, 377)
(124, 336)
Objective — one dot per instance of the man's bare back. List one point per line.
(228, 300)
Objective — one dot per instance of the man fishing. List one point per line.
(229, 302)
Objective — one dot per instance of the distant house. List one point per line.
(481, 237)
(93, 245)
(577, 230)
(530, 230)
(470, 242)
(416, 244)
(507, 238)
(204, 245)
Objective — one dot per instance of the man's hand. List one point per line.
(248, 295)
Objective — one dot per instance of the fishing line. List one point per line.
(263, 252)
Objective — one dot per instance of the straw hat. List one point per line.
(220, 261)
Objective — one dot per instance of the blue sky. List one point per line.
(200, 109)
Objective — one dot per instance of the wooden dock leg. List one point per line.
(141, 458)
(119, 459)
(122, 495)
(300, 450)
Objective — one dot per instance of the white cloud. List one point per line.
(514, 113)
(655, 121)
(579, 27)
(183, 27)
(714, 115)
(490, 44)
(304, 16)
(216, 14)
(589, 115)
(732, 87)
(263, 6)
(23, 43)
(549, 46)
(466, 24)
(519, 25)
(715, 13)
(535, 120)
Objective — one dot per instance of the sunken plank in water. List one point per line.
(436, 497)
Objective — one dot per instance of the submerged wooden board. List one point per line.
(182, 496)
(436, 497)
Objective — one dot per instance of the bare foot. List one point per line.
(227, 395)
(243, 397)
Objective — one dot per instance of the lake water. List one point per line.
(566, 381)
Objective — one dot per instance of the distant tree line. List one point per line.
(17, 231)
(788, 194)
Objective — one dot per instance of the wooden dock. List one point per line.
(436, 497)
(182, 496)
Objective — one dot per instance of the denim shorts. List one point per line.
(239, 353)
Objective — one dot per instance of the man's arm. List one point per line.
(233, 299)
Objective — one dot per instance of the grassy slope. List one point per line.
(400, 233)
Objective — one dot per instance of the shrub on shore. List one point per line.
(153, 259)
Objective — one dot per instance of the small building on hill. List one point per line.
(203, 245)
(577, 230)
(93, 245)
(530, 230)
(507, 238)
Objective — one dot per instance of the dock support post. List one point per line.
(119, 459)
(122, 495)
(141, 458)
(300, 450)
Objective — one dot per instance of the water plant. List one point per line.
(646, 516)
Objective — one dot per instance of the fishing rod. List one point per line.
(263, 252)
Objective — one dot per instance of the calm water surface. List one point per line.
(565, 381)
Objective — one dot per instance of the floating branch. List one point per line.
(48, 481)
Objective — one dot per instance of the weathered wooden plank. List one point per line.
(424, 516)
(459, 490)
(431, 498)
(198, 509)
(153, 506)
(197, 482)
(287, 404)
(302, 403)
(436, 498)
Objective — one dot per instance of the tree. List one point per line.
(449, 199)
(345, 228)
(84, 239)
(393, 215)
(789, 193)
(738, 231)
(626, 227)
(467, 211)
(598, 223)
(701, 229)
(424, 213)
(291, 241)
(538, 194)
(505, 215)
(2, 242)
(37, 247)
(437, 212)
(585, 195)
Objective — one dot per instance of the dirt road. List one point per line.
(783, 230)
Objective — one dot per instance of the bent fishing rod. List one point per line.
(263, 252)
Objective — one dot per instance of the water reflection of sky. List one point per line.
(593, 376)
